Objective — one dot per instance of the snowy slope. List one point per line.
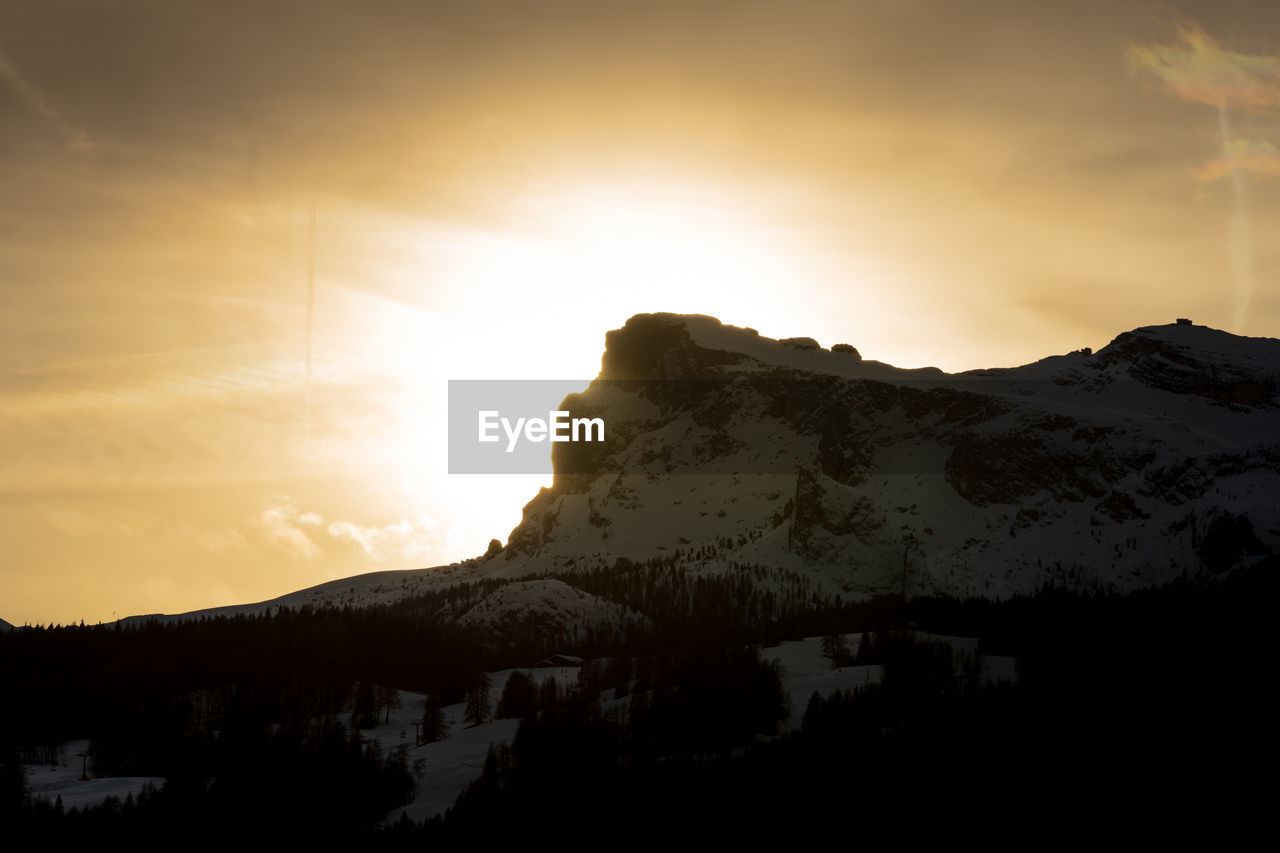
(1153, 458)
(546, 607)
(63, 780)
(1156, 457)
(444, 768)
(364, 590)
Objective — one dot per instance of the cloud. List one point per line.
(280, 523)
(1200, 70)
(1253, 157)
(302, 535)
(406, 539)
(33, 98)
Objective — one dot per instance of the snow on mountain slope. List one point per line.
(63, 779)
(547, 607)
(1153, 458)
(1156, 457)
(444, 768)
(366, 590)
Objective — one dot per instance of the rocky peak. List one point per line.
(659, 346)
(872, 479)
(1180, 358)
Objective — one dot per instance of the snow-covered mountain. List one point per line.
(1156, 457)
(726, 453)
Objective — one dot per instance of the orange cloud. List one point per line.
(1250, 156)
(1200, 70)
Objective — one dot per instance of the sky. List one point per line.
(496, 185)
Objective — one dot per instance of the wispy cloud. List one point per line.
(282, 525)
(305, 535)
(39, 103)
(411, 540)
(1200, 70)
(1260, 159)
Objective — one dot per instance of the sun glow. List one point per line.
(581, 260)
(529, 294)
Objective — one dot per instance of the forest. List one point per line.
(1151, 706)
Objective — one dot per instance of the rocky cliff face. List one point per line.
(1156, 457)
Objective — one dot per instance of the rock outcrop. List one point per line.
(1110, 469)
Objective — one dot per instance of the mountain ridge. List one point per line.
(1151, 421)
(1152, 459)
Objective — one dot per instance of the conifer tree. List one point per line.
(835, 647)
(388, 700)
(519, 697)
(549, 695)
(433, 724)
(477, 710)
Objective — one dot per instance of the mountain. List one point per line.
(806, 471)
(1154, 458)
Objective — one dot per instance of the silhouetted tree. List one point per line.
(364, 708)
(477, 710)
(519, 697)
(549, 695)
(834, 647)
(433, 724)
(864, 648)
(590, 677)
(13, 789)
(388, 700)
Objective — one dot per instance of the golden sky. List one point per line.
(496, 185)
